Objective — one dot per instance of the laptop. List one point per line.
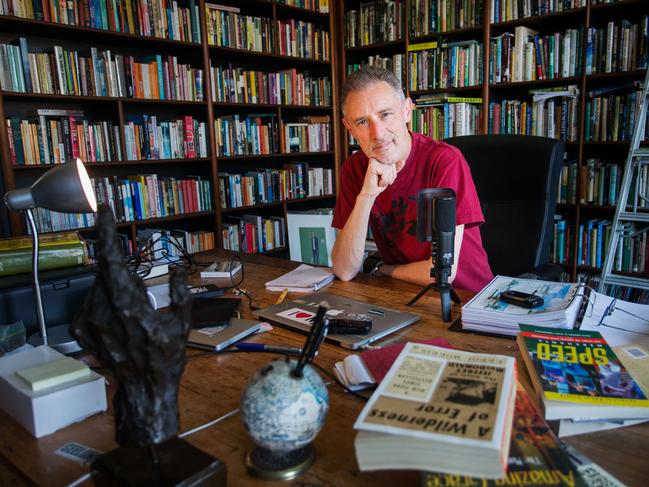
(297, 315)
(220, 337)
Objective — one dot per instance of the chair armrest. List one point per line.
(544, 272)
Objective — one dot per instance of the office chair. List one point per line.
(517, 180)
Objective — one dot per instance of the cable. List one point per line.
(207, 425)
(80, 480)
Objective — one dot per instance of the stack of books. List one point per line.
(435, 409)
(303, 279)
(487, 313)
(581, 381)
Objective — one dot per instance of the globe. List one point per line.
(283, 414)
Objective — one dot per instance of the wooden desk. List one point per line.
(211, 387)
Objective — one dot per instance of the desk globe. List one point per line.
(283, 414)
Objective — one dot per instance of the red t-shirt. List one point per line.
(393, 219)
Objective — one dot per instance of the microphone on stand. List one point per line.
(436, 224)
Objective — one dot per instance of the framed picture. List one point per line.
(311, 236)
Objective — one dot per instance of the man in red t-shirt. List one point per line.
(379, 185)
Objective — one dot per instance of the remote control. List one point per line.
(350, 326)
(206, 291)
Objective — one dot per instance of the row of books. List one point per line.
(428, 16)
(448, 118)
(145, 196)
(506, 10)
(321, 6)
(612, 118)
(227, 27)
(554, 118)
(242, 135)
(373, 22)
(97, 73)
(312, 135)
(184, 138)
(254, 234)
(295, 181)
(303, 39)
(446, 65)
(288, 87)
(151, 18)
(395, 63)
(599, 184)
(618, 47)
(632, 295)
(52, 221)
(592, 242)
(560, 250)
(62, 135)
(526, 56)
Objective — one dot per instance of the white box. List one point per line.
(47, 411)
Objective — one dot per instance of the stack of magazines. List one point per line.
(487, 313)
(303, 279)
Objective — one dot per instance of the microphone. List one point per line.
(436, 224)
(444, 237)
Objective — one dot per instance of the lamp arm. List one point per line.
(38, 302)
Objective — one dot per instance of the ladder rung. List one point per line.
(629, 216)
(629, 281)
(641, 152)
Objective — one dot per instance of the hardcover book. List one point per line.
(437, 407)
(221, 268)
(576, 374)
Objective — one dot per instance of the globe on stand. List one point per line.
(283, 413)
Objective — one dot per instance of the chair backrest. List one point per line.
(517, 179)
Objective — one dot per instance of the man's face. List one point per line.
(376, 116)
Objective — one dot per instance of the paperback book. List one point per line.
(221, 268)
(487, 313)
(437, 407)
(577, 375)
(536, 456)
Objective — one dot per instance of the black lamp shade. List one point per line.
(65, 188)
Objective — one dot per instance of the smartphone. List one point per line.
(348, 326)
(519, 298)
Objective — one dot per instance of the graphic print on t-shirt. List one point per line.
(397, 223)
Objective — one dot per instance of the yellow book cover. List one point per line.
(420, 46)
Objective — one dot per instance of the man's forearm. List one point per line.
(349, 249)
(416, 272)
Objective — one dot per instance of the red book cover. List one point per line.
(74, 137)
(12, 148)
(190, 146)
(379, 361)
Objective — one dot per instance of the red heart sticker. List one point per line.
(302, 314)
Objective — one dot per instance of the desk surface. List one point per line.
(211, 387)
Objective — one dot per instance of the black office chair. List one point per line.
(517, 179)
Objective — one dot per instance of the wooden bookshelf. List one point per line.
(200, 55)
(583, 14)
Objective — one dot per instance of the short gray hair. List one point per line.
(366, 77)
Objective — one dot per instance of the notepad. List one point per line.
(303, 279)
(51, 374)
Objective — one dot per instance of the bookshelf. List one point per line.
(432, 34)
(171, 81)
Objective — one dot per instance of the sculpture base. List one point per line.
(179, 464)
(270, 465)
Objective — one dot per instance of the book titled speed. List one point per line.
(576, 374)
(437, 407)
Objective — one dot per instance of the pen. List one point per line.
(281, 297)
(261, 347)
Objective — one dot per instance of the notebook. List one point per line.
(217, 338)
(297, 314)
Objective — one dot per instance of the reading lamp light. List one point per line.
(65, 188)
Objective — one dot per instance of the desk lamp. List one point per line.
(65, 188)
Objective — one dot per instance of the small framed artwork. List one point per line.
(311, 237)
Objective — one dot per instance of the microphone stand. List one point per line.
(441, 274)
